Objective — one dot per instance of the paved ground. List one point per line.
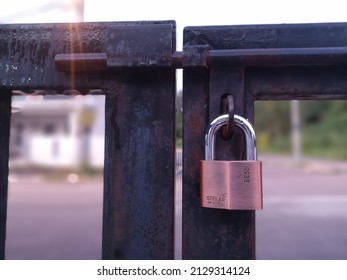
(305, 210)
(304, 216)
(54, 220)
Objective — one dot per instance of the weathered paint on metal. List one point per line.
(302, 83)
(139, 175)
(278, 57)
(314, 35)
(5, 118)
(134, 46)
(81, 62)
(140, 46)
(139, 166)
(27, 56)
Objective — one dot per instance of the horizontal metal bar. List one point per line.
(296, 82)
(278, 57)
(239, 57)
(81, 61)
(261, 57)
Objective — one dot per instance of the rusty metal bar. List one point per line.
(139, 171)
(28, 52)
(195, 57)
(139, 176)
(127, 46)
(222, 234)
(141, 46)
(278, 57)
(81, 62)
(314, 35)
(5, 118)
(298, 82)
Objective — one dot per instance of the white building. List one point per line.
(57, 131)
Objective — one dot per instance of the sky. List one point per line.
(38, 11)
(185, 13)
(218, 12)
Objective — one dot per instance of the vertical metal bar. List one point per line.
(195, 94)
(221, 234)
(139, 177)
(235, 229)
(5, 119)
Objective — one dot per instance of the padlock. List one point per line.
(232, 185)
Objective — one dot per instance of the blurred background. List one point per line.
(56, 151)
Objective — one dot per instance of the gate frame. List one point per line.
(249, 62)
(134, 64)
(124, 61)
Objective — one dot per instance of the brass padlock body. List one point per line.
(231, 184)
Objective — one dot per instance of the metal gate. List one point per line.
(133, 64)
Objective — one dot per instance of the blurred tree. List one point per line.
(179, 113)
(272, 124)
(272, 117)
(312, 110)
(324, 127)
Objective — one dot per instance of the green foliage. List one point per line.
(179, 115)
(326, 137)
(311, 111)
(272, 117)
(272, 125)
(323, 127)
(179, 143)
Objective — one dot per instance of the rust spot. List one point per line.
(196, 121)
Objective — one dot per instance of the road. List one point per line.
(304, 216)
(55, 220)
(305, 210)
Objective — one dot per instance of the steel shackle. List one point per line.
(246, 127)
